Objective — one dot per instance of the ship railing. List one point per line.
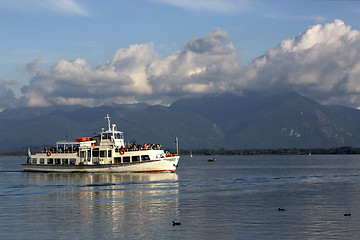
(60, 150)
(133, 149)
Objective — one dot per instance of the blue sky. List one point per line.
(92, 39)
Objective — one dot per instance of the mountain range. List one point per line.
(252, 120)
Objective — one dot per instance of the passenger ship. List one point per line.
(105, 152)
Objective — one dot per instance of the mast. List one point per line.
(108, 119)
(177, 145)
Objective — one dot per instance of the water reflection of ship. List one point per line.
(115, 201)
(98, 178)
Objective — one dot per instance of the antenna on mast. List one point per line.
(108, 119)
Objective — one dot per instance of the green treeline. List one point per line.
(280, 151)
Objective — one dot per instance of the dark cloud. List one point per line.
(33, 65)
(7, 98)
(9, 81)
(211, 43)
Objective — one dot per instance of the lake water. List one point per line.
(236, 197)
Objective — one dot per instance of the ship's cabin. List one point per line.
(106, 138)
(111, 137)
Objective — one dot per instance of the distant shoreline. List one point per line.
(223, 151)
(279, 151)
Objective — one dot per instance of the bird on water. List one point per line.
(176, 223)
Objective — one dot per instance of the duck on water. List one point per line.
(104, 152)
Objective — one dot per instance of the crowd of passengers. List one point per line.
(61, 149)
(146, 146)
(130, 147)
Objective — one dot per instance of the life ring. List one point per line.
(48, 153)
(122, 151)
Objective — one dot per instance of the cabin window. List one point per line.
(109, 153)
(50, 161)
(95, 153)
(64, 161)
(135, 158)
(119, 136)
(106, 135)
(72, 161)
(34, 160)
(126, 159)
(117, 159)
(145, 158)
(102, 153)
(83, 154)
(57, 160)
(42, 160)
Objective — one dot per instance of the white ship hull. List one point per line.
(163, 165)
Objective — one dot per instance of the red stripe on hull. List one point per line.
(155, 171)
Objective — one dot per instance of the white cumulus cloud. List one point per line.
(135, 74)
(195, 65)
(322, 63)
(76, 82)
